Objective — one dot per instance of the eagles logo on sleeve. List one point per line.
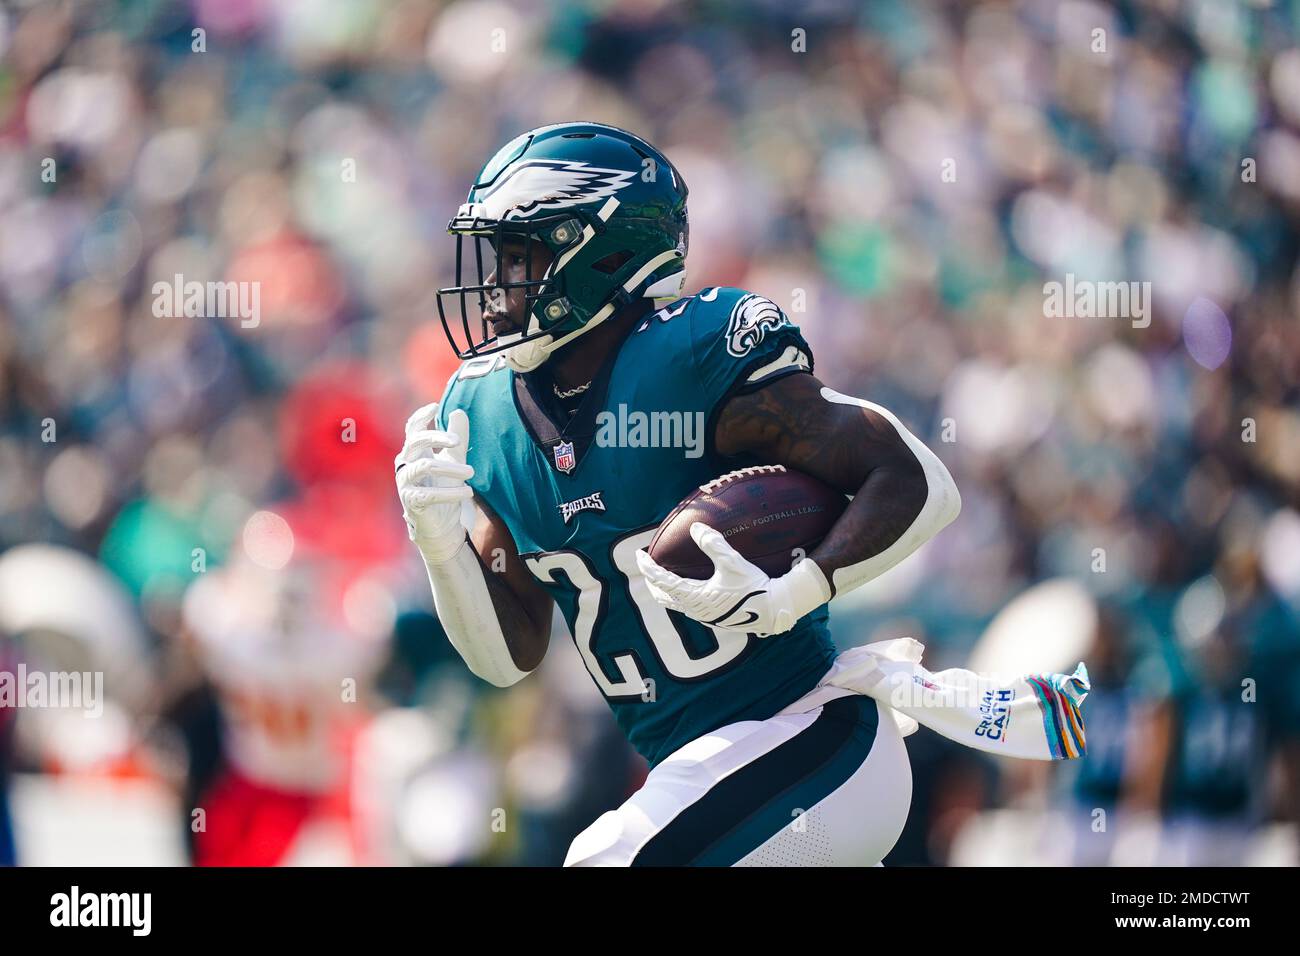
(752, 317)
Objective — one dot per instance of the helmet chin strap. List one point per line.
(529, 355)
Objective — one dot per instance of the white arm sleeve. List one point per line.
(464, 605)
(942, 504)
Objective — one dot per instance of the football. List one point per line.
(768, 513)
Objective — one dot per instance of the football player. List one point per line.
(517, 500)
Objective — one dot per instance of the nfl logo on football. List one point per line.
(565, 460)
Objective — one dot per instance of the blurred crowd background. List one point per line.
(203, 509)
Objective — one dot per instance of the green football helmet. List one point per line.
(609, 206)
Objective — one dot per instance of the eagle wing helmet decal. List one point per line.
(549, 184)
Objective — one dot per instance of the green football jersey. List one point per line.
(581, 498)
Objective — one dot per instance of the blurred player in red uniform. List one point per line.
(286, 664)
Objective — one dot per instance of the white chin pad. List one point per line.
(527, 356)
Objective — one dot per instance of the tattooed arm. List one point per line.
(902, 494)
(902, 497)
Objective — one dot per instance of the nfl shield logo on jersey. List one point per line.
(565, 460)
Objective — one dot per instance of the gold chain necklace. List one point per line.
(571, 392)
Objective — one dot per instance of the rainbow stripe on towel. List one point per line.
(1059, 699)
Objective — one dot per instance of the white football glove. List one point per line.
(431, 476)
(739, 596)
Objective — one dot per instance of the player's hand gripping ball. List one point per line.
(733, 554)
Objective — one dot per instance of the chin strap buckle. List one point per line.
(557, 309)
